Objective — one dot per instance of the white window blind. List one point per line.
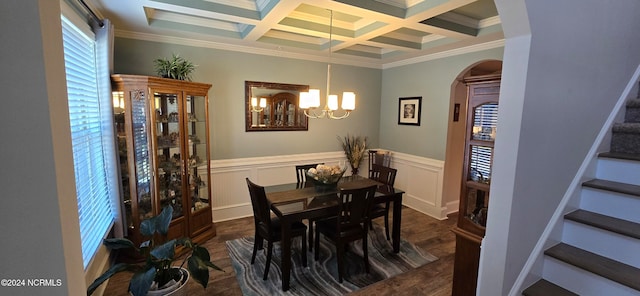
(485, 120)
(91, 160)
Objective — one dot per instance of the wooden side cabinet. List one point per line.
(481, 120)
(163, 140)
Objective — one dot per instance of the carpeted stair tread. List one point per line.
(633, 103)
(608, 223)
(546, 288)
(632, 112)
(625, 137)
(626, 127)
(613, 186)
(620, 155)
(613, 270)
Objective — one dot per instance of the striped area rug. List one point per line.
(320, 277)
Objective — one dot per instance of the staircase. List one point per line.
(600, 249)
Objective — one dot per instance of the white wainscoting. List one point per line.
(419, 177)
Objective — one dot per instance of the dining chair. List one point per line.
(386, 176)
(301, 171)
(301, 177)
(382, 158)
(267, 227)
(351, 223)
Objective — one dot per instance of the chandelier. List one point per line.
(310, 101)
(258, 107)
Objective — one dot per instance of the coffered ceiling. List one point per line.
(371, 33)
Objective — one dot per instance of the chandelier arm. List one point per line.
(311, 113)
(345, 115)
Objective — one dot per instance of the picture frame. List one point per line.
(409, 110)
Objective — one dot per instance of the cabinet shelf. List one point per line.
(164, 139)
(478, 185)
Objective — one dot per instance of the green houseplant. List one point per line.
(175, 67)
(158, 265)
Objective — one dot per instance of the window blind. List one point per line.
(90, 159)
(486, 119)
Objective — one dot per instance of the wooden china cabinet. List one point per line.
(482, 115)
(163, 139)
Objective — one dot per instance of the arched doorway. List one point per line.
(454, 156)
(470, 138)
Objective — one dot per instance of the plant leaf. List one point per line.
(141, 282)
(201, 253)
(148, 226)
(164, 219)
(165, 251)
(204, 256)
(118, 243)
(145, 244)
(106, 275)
(199, 270)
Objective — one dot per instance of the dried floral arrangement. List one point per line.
(354, 148)
(325, 173)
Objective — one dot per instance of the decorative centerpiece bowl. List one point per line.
(325, 177)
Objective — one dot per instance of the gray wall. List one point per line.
(565, 65)
(432, 81)
(38, 216)
(376, 105)
(228, 70)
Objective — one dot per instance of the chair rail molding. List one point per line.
(420, 178)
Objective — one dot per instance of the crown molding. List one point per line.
(447, 53)
(302, 56)
(245, 49)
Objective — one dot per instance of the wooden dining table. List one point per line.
(299, 201)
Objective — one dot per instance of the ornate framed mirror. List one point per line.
(274, 107)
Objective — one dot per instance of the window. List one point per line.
(91, 136)
(485, 121)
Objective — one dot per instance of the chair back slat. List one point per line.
(382, 174)
(354, 205)
(301, 171)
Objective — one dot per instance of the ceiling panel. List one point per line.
(375, 32)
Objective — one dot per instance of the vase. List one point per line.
(354, 171)
(177, 289)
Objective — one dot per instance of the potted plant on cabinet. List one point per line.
(157, 274)
(175, 67)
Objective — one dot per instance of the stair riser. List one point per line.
(625, 143)
(605, 243)
(582, 282)
(625, 171)
(612, 204)
(632, 115)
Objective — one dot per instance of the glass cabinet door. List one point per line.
(483, 118)
(141, 158)
(169, 154)
(197, 153)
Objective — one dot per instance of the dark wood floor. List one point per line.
(431, 235)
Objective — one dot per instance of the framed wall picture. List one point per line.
(409, 110)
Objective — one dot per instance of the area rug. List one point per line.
(320, 277)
